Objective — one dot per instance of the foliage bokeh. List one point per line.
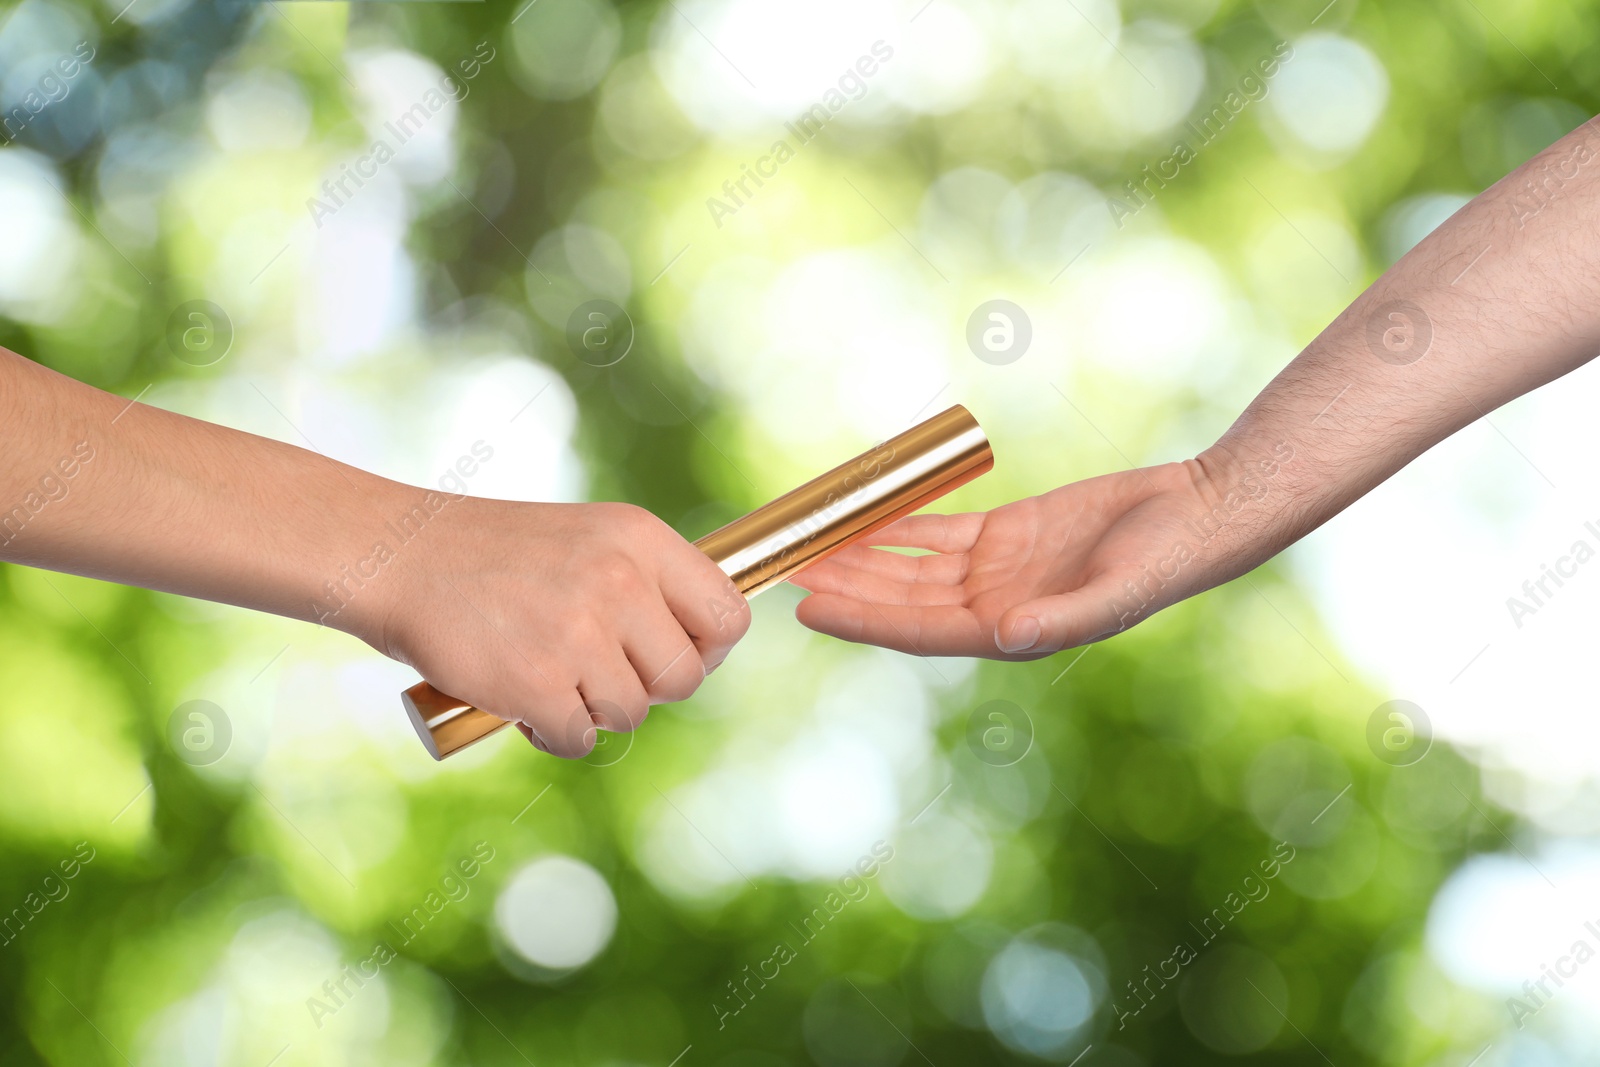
(1022, 901)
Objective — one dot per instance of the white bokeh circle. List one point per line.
(557, 913)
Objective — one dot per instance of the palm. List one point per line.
(1067, 551)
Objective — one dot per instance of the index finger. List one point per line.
(941, 630)
(706, 603)
(936, 533)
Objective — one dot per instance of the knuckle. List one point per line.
(585, 632)
(676, 686)
(575, 734)
(615, 571)
(679, 679)
(728, 611)
(622, 718)
(630, 518)
(738, 622)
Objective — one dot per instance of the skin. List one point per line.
(568, 617)
(1500, 299)
(561, 617)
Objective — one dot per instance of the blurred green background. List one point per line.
(280, 875)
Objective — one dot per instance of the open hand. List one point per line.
(1030, 578)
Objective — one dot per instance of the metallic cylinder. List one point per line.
(777, 540)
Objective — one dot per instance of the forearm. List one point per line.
(1500, 299)
(138, 495)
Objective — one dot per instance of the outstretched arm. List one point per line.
(560, 616)
(1500, 299)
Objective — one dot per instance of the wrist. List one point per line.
(358, 586)
(1251, 498)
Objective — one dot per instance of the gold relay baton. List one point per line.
(776, 540)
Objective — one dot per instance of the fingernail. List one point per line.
(1024, 635)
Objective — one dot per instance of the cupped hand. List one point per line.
(1071, 566)
(564, 618)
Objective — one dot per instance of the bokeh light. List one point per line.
(807, 858)
(557, 913)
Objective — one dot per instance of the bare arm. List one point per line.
(134, 494)
(1500, 299)
(559, 616)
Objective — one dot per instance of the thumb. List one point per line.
(1066, 620)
